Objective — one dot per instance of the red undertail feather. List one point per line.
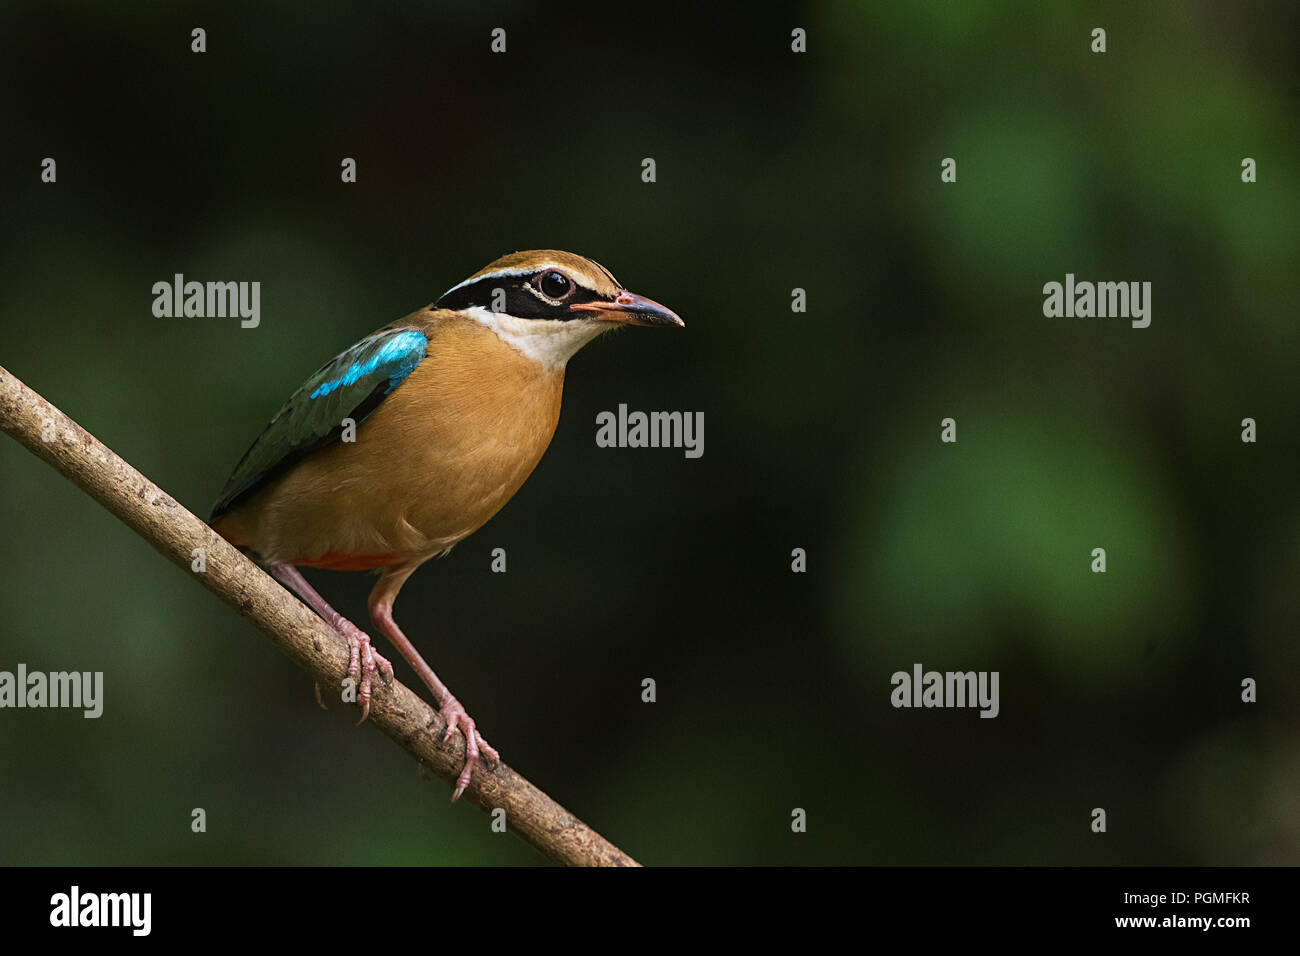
(334, 561)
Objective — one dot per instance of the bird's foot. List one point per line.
(363, 662)
(475, 745)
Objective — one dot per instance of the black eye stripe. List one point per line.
(520, 301)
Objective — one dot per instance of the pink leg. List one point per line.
(381, 613)
(363, 660)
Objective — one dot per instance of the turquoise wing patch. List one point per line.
(351, 385)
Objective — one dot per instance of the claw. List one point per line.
(363, 662)
(475, 745)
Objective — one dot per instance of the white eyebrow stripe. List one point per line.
(509, 273)
(498, 274)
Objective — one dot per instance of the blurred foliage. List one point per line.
(774, 171)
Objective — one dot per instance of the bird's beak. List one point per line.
(629, 309)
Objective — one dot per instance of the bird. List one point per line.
(403, 445)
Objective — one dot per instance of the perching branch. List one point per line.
(311, 643)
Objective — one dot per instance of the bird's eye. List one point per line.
(554, 285)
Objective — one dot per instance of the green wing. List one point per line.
(350, 386)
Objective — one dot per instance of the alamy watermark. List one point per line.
(635, 429)
(949, 689)
(1084, 300)
(208, 300)
(82, 690)
(75, 908)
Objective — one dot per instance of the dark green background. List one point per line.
(775, 170)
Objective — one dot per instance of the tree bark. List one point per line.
(310, 642)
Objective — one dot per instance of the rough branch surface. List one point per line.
(309, 641)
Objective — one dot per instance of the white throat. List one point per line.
(550, 342)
